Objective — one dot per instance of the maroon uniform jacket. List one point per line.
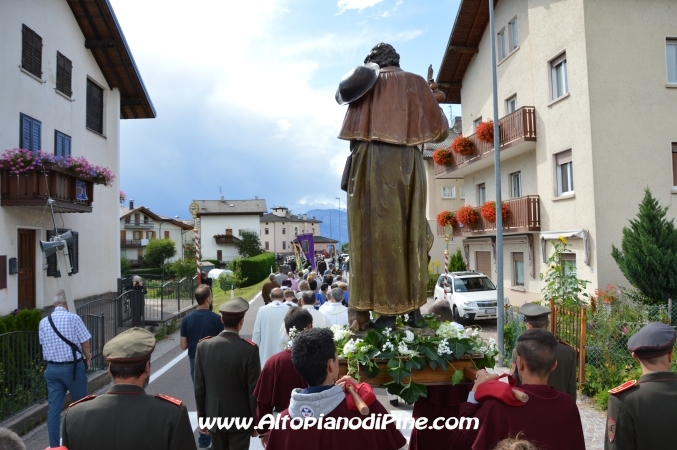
(313, 438)
(442, 401)
(550, 420)
(273, 389)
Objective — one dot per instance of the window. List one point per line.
(511, 104)
(137, 235)
(73, 254)
(476, 122)
(565, 173)
(461, 192)
(502, 45)
(516, 184)
(296, 231)
(30, 133)
(518, 269)
(137, 218)
(150, 234)
(267, 246)
(514, 37)
(64, 72)
(266, 231)
(558, 76)
(62, 144)
(166, 234)
(568, 261)
(240, 232)
(448, 191)
(313, 230)
(31, 52)
(94, 107)
(674, 163)
(284, 245)
(284, 231)
(671, 53)
(481, 194)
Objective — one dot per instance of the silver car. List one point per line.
(472, 295)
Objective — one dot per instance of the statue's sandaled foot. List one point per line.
(384, 321)
(415, 319)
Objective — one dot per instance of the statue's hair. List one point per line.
(384, 55)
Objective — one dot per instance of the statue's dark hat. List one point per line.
(534, 312)
(653, 340)
(356, 83)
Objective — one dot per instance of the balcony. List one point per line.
(518, 135)
(525, 217)
(226, 239)
(70, 193)
(133, 243)
(139, 224)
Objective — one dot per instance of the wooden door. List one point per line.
(123, 236)
(483, 262)
(26, 263)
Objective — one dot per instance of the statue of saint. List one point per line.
(389, 235)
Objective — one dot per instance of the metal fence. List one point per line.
(22, 382)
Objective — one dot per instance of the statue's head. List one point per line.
(384, 55)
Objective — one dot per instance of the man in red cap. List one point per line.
(641, 413)
(549, 419)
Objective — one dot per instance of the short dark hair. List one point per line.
(384, 55)
(308, 298)
(540, 324)
(442, 310)
(310, 353)
(298, 318)
(537, 348)
(324, 287)
(286, 282)
(271, 277)
(128, 372)
(202, 293)
(230, 321)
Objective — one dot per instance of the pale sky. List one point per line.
(244, 93)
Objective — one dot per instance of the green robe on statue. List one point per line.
(389, 235)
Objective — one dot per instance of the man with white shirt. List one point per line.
(333, 310)
(269, 319)
(308, 302)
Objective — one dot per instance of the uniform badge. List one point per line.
(307, 411)
(611, 429)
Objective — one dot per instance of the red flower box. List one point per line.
(443, 157)
(488, 211)
(485, 131)
(463, 146)
(446, 219)
(467, 215)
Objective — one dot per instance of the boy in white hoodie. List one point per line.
(333, 309)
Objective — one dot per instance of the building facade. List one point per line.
(68, 78)
(585, 127)
(280, 227)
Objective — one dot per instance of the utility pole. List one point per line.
(339, 224)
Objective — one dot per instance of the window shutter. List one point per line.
(66, 145)
(58, 143)
(674, 163)
(68, 76)
(563, 157)
(37, 55)
(25, 132)
(60, 72)
(26, 49)
(35, 138)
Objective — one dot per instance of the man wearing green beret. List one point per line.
(126, 418)
(563, 378)
(641, 413)
(227, 368)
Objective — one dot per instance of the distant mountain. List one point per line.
(330, 223)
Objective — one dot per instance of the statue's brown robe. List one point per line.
(389, 235)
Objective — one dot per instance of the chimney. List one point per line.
(223, 199)
(305, 217)
(131, 204)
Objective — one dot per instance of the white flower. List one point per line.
(388, 346)
(339, 332)
(406, 317)
(443, 348)
(350, 348)
(408, 336)
(406, 351)
(447, 330)
(292, 332)
(386, 331)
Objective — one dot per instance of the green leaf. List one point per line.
(457, 377)
(458, 349)
(393, 363)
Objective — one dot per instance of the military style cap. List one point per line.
(655, 339)
(532, 311)
(129, 348)
(236, 307)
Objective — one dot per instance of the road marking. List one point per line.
(167, 366)
(255, 297)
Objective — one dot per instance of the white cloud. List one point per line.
(283, 124)
(345, 5)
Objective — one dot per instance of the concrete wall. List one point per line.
(217, 224)
(98, 231)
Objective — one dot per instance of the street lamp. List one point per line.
(339, 224)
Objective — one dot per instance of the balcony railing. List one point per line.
(515, 128)
(139, 224)
(226, 239)
(133, 243)
(69, 192)
(525, 217)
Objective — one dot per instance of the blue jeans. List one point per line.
(59, 380)
(202, 440)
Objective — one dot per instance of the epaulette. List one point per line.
(83, 399)
(249, 342)
(176, 401)
(206, 337)
(623, 387)
(565, 343)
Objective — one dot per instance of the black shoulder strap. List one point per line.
(74, 348)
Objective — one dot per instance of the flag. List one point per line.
(307, 244)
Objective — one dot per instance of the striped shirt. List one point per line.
(71, 327)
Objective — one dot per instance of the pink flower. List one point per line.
(625, 330)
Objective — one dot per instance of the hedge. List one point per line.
(254, 269)
(141, 272)
(25, 320)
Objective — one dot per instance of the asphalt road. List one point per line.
(170, 375)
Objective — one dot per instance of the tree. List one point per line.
(345, 248)
(249, 244)
(456, 262)
(157, 251)
(648, 255)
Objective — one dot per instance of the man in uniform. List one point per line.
(226, 370)
(126, 417)
(563, 378)
(641, 413)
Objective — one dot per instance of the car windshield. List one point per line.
(473, 284)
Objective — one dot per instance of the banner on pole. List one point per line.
(307, 243)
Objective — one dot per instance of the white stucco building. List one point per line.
(221, 223)
(588, 121)
(68, 78)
